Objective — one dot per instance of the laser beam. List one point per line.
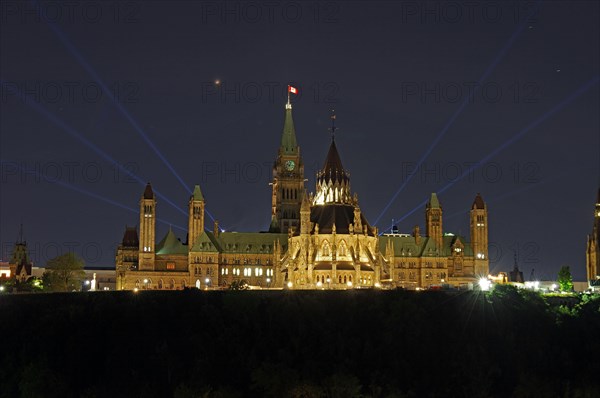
(73, 133)
(89, 193)
(137, 127)
(568, 100)
(460, 109)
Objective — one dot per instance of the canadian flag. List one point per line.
(292, 90)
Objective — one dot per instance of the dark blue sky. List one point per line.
(397, 74)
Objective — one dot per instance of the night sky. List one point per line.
(184, 93)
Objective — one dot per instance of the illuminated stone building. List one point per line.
(320, 240)
(593, 247)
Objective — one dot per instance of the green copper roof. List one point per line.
(197, 194)
(433, 203)
(206, 242)
(250, 242)
(403, 245)
(274, 227)
(171, 245)
(289, 145)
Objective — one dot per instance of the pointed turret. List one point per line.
(305, 215)
(289, 145)
(197, 194)
(433, 203)
(195, 216)
(333, 169)
(433, 220)
(478, 203)
(148, 192)
(333, 181)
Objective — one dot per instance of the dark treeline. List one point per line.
(507, 343)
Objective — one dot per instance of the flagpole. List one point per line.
(288, 92)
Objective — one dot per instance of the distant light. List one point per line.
(135, 290)
(484, 284)
(377, 284)
(328, 280)
(268, 280)
(145, 280)
(207, 280)
(554, 286)
(319, 284)
(87, 282)
(217, 82)
(1, 288)
(290, 284)
(350, 284)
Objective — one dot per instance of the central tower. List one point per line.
(288, 179)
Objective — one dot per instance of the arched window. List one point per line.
(172, 284)
(342, 248)
(339, 279)
(160, 283)
(137, 284)
(197, 283)
(344, 278)
(325, 249)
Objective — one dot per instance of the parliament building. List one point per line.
(319, 240)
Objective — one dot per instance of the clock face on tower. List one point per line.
(289, 165)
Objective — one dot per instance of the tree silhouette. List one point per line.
(565, 280)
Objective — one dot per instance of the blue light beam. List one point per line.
(576, 94)
(460, 109)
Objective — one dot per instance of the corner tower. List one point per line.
(479, 235)
(196, 216)
(433, 220)
(147, 229)
(593, 245)
(288, 179)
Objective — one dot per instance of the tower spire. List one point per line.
(332, 129)
(21, 233)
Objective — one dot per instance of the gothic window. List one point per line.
(339, 279)
(344, 278)
(172, 284)
(160, 283)
(342, 248)
(197, 283)
(325, 249)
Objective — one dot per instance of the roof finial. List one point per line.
(333, 128)
(21, 233)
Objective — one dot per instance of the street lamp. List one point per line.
(146, 284)
(328, 283)
(207, 281)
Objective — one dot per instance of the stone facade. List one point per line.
(316, 241)
(593, 246)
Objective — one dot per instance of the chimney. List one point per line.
(216, 228)
(417, 234)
